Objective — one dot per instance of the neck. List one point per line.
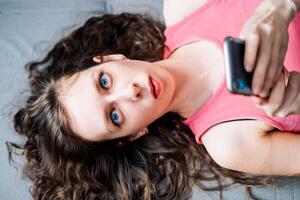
(193, 83)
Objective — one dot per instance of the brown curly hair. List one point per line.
(161, 165)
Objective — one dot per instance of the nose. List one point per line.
(135, 91)
(132, 92)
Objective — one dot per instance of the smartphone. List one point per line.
(238, 80)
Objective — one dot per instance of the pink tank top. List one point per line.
(213, 22)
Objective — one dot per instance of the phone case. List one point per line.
(238, 80)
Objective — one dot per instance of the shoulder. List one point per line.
(176, 10)
(224, 141)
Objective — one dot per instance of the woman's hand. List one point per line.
(285, 96)
(266, 40)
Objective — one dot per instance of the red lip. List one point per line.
(154, 87)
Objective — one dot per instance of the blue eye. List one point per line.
(115, 117)
(104, 81)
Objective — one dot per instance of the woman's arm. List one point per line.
(240, 146)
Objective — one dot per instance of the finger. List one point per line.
(287, 75)
(273, 67)
(292, 91)
(263, 60)
(283, 49)
(259, 101)
(251, 47)
(277, 76)
(295, 108)
(288, 109)
(276, 98)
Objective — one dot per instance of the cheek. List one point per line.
(141, 118)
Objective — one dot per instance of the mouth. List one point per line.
(154, 87)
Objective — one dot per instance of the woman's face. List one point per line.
(114, 99)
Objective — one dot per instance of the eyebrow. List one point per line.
(106, 112)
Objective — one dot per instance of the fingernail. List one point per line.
(270, 113)
(281, 114)
(258, 106)
(248, 68)
(257, 100)
(263, 94)
(260, 103)
(256, 90)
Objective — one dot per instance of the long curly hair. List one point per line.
(163, 164)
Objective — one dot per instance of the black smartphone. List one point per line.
(238, 80)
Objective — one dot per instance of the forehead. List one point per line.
(83, 106)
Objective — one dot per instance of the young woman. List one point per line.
(105, 85)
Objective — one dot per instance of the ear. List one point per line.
(138, 134)
(111, 57)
